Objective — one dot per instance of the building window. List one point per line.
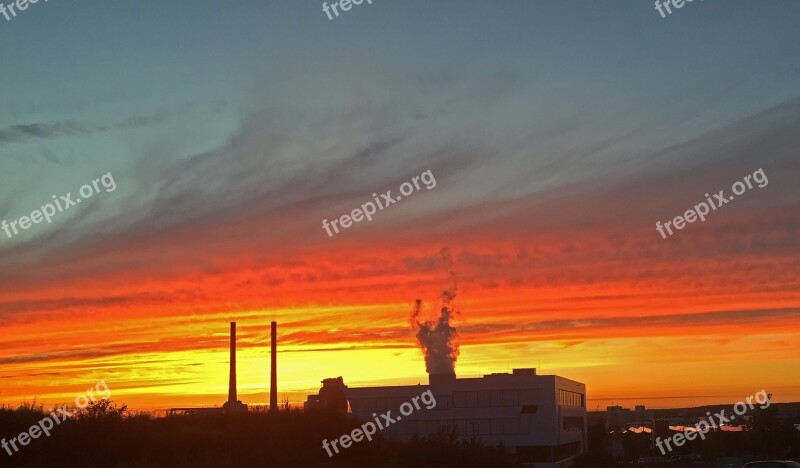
(510, 398)
(484, 426)
(503, 398)
(529, 397)
(442, 402)
(497, 426)
(567, 398)
(472, 427)
(511, 426)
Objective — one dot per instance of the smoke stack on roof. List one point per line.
(233, 404)
(273, 389)
(439, 379)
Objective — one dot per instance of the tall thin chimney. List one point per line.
(273, 390)
(232, 381)
(233, 405)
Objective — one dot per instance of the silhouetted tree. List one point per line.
(101, 409)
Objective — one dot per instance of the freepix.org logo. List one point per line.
(46, 424)
(677, 4)
(700, 210)
(61, 203)
(369, 208)
(369, 428)
(11, 10)
(345, 5)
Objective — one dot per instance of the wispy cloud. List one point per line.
(35, 131)
(22, 133)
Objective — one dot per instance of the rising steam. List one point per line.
(437, 338)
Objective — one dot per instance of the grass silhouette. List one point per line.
(106, 435)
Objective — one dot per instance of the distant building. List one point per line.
(618, 417)
(331, 396)
(197, 411)
(541, 418)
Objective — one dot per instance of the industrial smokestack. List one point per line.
(233, 404)
(438, 379)
(232, 380)
(273, 390)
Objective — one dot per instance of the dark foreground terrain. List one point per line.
(111, 437)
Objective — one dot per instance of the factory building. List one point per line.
(541, 418)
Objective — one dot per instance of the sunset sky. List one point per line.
(558, 135)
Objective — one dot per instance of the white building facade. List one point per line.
(541, 418)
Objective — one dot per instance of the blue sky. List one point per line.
(523, 74)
